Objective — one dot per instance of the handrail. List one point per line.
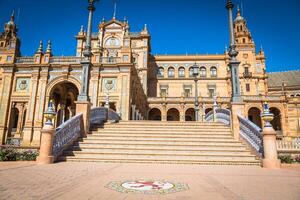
(98, 116)
(252, 134)
(65, 59)
(222, 115)
(66, 134)
(23, 60)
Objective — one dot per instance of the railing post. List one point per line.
(236, 108)
(84, 108)
(48, 131)
(215, 106)
(269, 140)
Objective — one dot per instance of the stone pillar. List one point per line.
(45, 156)
(84, 107)
(269, 140)
(48, 131)
(164, 113)
(236, 108)
(5, 93)
(133, 112)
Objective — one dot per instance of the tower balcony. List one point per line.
(247, 74)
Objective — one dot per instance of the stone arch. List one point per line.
(63, 94)
(62, 79)
(154, 114)
(254, 116)
(173, 114)
(190, 114)
(276, 122)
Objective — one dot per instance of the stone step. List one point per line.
(159, 143)
(169, 123)
(157, 135)
(166, 139)
(166, 157)
(141, 130)
(196, 162)
(75, 151)
(166, 126)
(160, 147)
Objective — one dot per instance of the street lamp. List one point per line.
(195, 74)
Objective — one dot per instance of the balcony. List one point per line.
(247, 74)
(110, 60)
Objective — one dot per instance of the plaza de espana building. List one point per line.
(138, 84)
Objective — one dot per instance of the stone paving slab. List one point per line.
(21, 180)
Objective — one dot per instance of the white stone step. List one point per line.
(151, 139)
(157, 152)
(161, 147)
(166, 131)
(159, 143)
(167, 157)
(157, 135)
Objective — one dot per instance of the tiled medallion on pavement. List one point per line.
(147, 186)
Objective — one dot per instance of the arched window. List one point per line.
(191, 71)
(160, 72)
(171, 72)
(213, 72)
(181, 72)
(202, 72)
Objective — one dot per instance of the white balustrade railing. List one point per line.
(65, 60)
(24, 60)
(284, 146)
(252, 134)
(66, 134)
(222, 115)
(110, 60)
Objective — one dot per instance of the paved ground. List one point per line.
(89, 180)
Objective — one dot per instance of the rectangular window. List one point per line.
(9, 58)
(211, 92)
(247, 87)
(163, 92)
(187, 92)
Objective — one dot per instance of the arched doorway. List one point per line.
(14, 119)
(254, 116)
(190, 114)
(173, 115)
(276, 122)
(64, 95)
(154, 114)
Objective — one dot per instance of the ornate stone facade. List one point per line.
(138, 84)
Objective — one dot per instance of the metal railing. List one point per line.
(99, 115)
(66, 134)
(284, 146)
(221, 115)
(65, 60)
(252, 134)
(24, 60)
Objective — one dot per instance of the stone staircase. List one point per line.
(161, 142)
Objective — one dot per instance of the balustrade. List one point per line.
(66, 134)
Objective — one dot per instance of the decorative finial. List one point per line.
(103, 20)
(40, 49)
(267, 116)
(238, 11)
(115, 10)
(49, 114)
(125, 19)
(81, 29)
(12, 17)
(145, 27)
(49, 47)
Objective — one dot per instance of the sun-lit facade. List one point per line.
(138, 84)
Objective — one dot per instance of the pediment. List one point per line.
(114, 26)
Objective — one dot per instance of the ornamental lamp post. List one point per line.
(195, 74)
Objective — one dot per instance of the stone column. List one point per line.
(5, 93)
(133, 112)
(28, 129)
(164, 113)
(269, 140)
(84, 107)
(236, 108)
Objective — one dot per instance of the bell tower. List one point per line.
(243, 36)
(9, 42)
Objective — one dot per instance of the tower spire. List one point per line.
(49, 47)
(40, 49)
(115, 10)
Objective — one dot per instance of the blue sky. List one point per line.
(176, 26)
